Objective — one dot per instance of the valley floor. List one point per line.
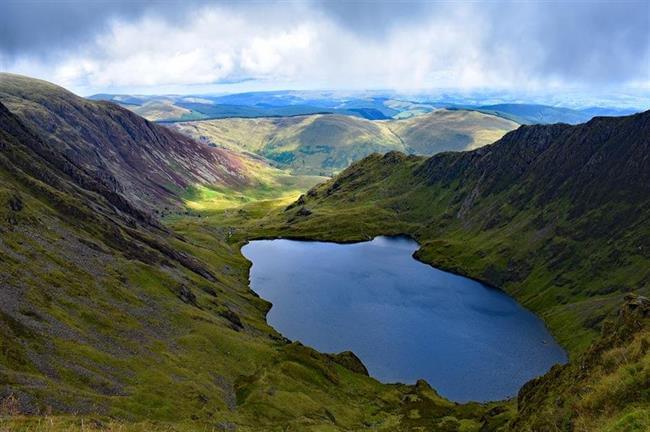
(214, 219)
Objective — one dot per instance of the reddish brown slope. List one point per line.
(147, 163)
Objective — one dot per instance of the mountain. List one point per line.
(91, 286)
(317, 144)
(446, 130)
(325, 144)
(545, 114)
(557, 215)
(147, 163)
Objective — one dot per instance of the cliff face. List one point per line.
(30, 157)
(69, 244)
(148, 164)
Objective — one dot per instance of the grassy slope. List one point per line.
(449, 130)
(604, 389)
(270, 184)
(326, 144)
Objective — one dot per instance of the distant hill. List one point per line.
(447, 130)
(325, 144)
(163, 109)
(172, 108)
(319, 144)
(544, 114)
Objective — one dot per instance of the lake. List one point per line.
(404, 319)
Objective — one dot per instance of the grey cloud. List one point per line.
(597, 41)
(374, 19)
(39, 27)
(588, 42)
(45, 27)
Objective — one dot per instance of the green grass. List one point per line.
(272, 185)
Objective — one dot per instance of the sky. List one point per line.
(193, 47)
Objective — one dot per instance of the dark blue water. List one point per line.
(404, 319)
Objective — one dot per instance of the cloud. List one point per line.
(139, 46)
(41, 28)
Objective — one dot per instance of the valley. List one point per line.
(324, 216)
(126, 298)
(110, 315)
